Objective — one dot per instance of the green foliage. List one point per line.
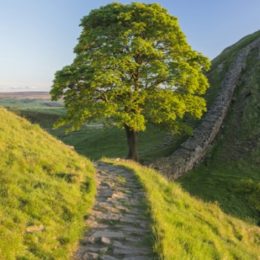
(132, 66)
(45, 187)
(188, 228)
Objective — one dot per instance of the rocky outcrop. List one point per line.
(195, 148)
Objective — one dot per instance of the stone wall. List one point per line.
(195, 148)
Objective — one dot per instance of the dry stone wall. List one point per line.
(195, 148)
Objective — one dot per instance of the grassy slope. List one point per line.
(43, 183)
(188, 228)
(230, 174)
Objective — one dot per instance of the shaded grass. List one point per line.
(235, 186)
(45, 187)
(97, 142)
(188, 228)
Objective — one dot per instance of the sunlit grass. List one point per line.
(188, 228)
(45, 188)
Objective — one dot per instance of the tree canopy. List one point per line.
(133, 65)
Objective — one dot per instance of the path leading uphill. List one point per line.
(119, 226)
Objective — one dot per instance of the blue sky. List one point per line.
(38, 36)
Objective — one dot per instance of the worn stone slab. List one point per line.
(90, 256)
(133, 251)
(109, 234)
(108, 257)
(138, 257)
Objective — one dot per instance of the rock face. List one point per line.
(195, 148)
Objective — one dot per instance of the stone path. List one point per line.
(119, 226)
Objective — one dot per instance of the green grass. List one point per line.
(44, 184)
(96, 141)
(230, 174)
(188, 228)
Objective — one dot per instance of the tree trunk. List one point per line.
(131, 136)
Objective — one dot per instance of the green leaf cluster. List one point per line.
(133, 65)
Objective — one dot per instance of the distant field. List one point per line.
(26, 95)
(92, 140)
(31, 101)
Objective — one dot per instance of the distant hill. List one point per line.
(26, 95)
(45, 191)
(38, 102)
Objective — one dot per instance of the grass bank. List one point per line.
(46, 189)
(188, 228)
(230, 174)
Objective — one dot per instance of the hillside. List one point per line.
(186, 227)
(46, 189)
(230, 173)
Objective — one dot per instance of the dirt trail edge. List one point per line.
(119, 224)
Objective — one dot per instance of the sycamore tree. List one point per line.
(133, 66)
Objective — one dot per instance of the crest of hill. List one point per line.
(221, 63)
(241, 129)
(230, 173)
(229, 52)
(45, 191)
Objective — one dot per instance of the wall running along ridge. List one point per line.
(193, 150)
